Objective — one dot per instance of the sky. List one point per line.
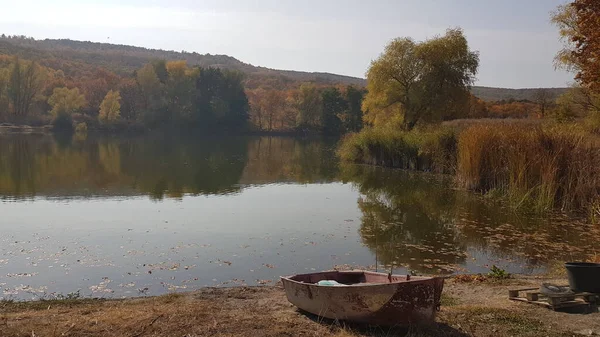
(515, 38)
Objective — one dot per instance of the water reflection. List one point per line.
(256, 202)
(418, 221)
(158, 166)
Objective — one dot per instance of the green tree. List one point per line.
(334, 105)
(179, 91)
(220, 98)
(160, 68)
(151, 91)
(130, 103)
(413, 82)
(352, 116)
(309, 104)
(65, 101)
(110, 108)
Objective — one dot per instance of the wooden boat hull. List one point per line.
(403, 301)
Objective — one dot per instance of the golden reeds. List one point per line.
(536, 167)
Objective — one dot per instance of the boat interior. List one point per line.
(350, 277)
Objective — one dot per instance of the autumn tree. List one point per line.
(477, 108)
(65, 101)
(580, 31)
(110, 108)
(25, 82)
(95, 88)
(256, 101)
(288, 117)
(309, 104)
(275, 106)
(414, 82)
(544, 99)
(3, 92)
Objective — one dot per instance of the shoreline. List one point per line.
(469, 308)
(8, 129)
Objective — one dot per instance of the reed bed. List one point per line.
(425, 150)
(537, 167)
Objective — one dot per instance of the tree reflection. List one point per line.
(407, 219)
(418, 221)
(158, 165)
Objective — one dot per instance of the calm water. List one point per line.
(112, 217)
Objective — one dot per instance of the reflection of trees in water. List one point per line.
(286, 159)
(164, 165)
(157, 165)
(416, 220)
(407, 220)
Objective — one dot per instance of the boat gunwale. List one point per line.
(411, 280)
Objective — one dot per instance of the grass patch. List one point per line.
(511, 322)
(449, 300)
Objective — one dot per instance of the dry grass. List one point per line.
(468, 309)
(536, 167)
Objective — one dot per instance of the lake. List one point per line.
(147, 215)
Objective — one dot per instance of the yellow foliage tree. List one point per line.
(420, 82)
(110, 108)
(65, 101)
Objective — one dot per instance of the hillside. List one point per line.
(498, 94)
(125, 60)
(77, 56)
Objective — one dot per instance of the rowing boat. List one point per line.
(366, 297)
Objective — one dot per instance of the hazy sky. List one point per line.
(515, 39)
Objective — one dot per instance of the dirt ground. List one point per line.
(468, 309)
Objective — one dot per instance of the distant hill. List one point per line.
(78, 56)
(498, 94)
(125, 60)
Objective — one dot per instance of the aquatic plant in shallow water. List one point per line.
(424, 149)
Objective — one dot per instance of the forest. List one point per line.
(96, 86)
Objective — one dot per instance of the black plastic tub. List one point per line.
(584, 277)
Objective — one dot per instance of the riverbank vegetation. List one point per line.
(418, 97)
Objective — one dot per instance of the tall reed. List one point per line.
(537, 167)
